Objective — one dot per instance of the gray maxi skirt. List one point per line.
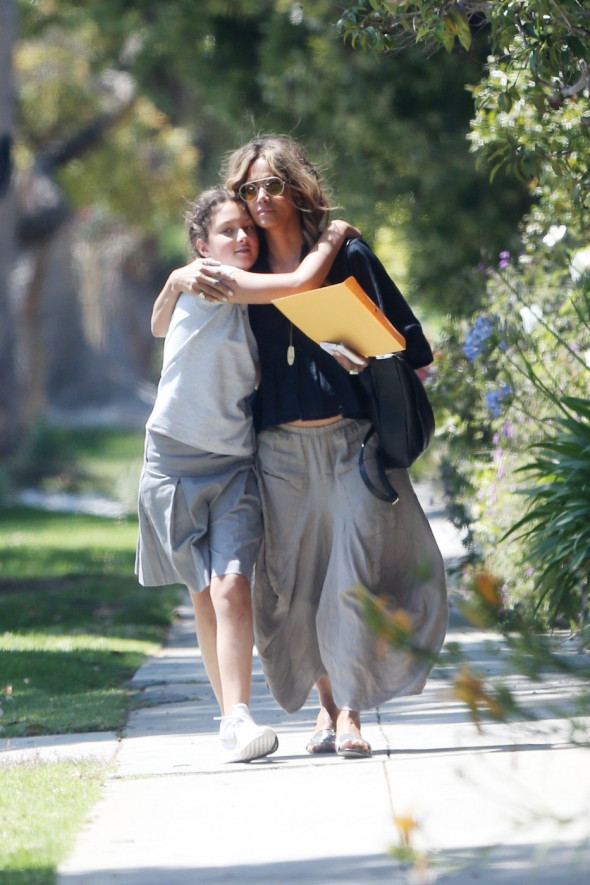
(199, 515)
(325, 536)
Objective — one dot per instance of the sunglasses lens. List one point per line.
(248, 192)
(274, 186)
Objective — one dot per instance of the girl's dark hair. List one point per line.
(287, 161)
(198, 218)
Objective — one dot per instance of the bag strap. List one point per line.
(387, 493)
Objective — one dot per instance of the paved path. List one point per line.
(509, 804)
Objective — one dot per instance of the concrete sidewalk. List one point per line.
(510, 804)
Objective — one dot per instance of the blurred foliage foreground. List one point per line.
(512, 680)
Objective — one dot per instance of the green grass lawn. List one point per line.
(41, 808)
(74, 627)
(74, 623)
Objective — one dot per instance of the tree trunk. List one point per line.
(9, 421)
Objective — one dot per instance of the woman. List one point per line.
(325, 535)
(199, 509)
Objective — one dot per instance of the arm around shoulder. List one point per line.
(253, 288)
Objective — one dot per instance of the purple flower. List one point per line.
(504, 260)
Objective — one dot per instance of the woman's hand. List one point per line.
(349, 359)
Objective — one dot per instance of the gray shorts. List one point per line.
(199, 515)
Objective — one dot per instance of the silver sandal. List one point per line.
(323, 741)
(353, 752)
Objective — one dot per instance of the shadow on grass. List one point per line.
(70, 646)
(32, 876)
(70, 690)
(38, 544)
(89, 603)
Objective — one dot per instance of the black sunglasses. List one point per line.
(273, 186)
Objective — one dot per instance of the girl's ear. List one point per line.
(202, 248)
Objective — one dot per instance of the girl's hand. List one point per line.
(344, 229)
(205, 278)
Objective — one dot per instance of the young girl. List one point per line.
(199, 508)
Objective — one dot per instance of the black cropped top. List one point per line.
(315, 386)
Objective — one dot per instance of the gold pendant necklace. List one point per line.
(290, 349)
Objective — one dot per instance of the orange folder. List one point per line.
(343, 314)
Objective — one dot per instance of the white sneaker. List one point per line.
(242, 740)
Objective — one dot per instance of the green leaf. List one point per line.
(446, 34)
(463, 30)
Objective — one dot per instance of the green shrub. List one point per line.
(500, 388)
(555, 529)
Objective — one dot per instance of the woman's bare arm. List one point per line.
(256, 288)
(221, 282)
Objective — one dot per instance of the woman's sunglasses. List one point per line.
(273, 186)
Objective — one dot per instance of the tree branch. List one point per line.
(45, 206)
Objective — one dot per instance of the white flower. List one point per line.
(499, 76)
(580, 264)
(530, 317)
(555, 233)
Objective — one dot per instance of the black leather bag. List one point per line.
(401, 416)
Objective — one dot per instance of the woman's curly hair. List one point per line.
(288, 162)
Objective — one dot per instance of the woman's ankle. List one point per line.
(328, 712)
(326, 719)
(348, 722)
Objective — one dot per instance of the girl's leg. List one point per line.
(230, 597)
(206, 628)
(241, 739)
(223, 617)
